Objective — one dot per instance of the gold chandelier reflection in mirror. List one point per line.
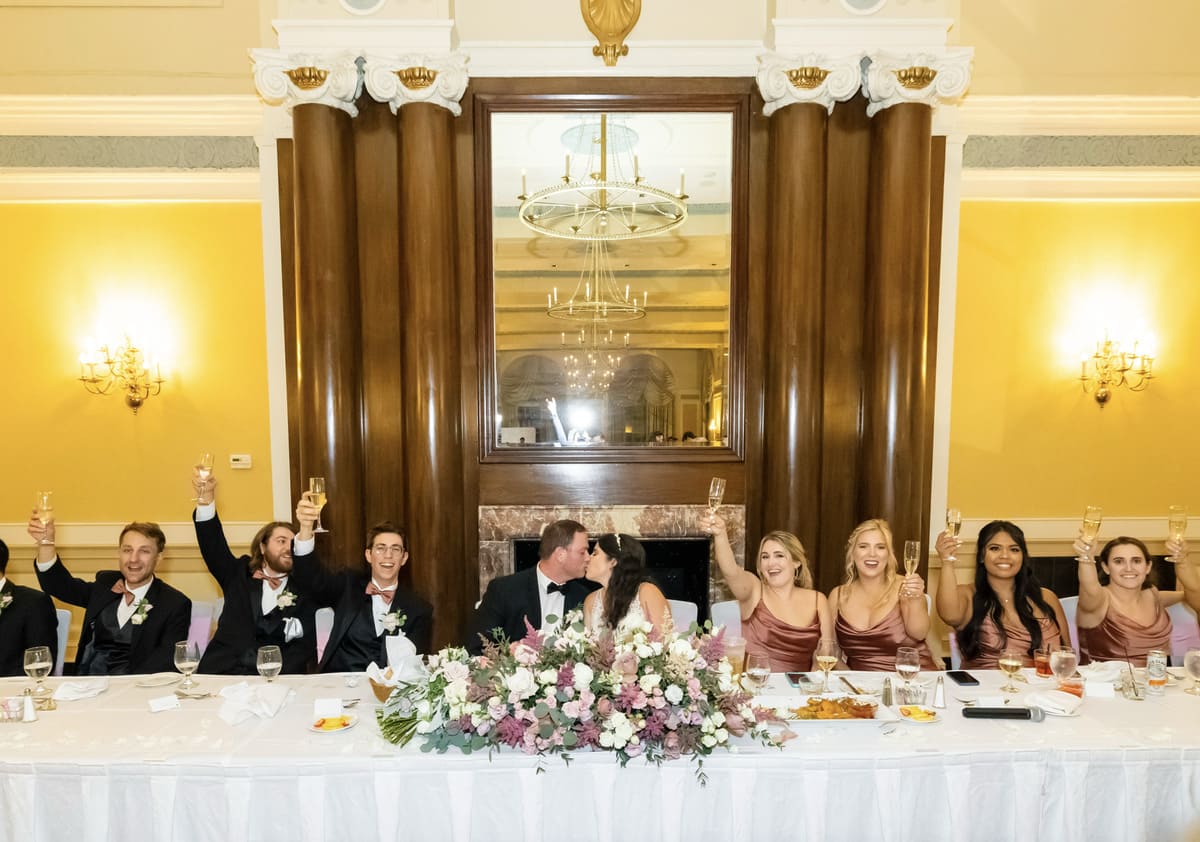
(1109, 367)
(591, 369)
(124, 368)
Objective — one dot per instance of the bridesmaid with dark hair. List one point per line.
(1005, 608)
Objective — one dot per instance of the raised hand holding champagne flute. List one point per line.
(716, 493)
(316, 493)
(43, 510)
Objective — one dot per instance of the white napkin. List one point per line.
(1104, 670)
(243, 701)
(1055, 702)
(72, 691)
(292, 629)
(407, 666)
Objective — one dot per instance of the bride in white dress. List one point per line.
(626, 597)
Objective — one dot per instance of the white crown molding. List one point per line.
(1079, 115)
(378, 34)
(1082, 183)
(799, 35)
(141, 185)
(130, 116)
(106, 534)
(646, 58)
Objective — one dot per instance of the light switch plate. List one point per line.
(240, 461)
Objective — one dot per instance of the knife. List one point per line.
(853, 689)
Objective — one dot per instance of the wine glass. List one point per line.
(1176, 522)
(204, 468)
(1011, 663)
(43, 505)
(1063, 662)
(38, 664)
(1191, 663)
(912, 557)
(827, 654)
(908, 663)
(1091, 524)
(758, 670)
(716, 493)
(270, 662)
(316, 493)
(953, 525)
(187, 658)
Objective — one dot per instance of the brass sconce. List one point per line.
(125, 368)
(1109, 367)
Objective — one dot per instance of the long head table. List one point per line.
(106, 768)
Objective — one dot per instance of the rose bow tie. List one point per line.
(555, 587)
(276, 582)
(385, 595)
(121, 588)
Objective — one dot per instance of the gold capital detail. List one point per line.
(415, 78)
(915, 78)
(611, 21)
(308, 78)
(807, 77)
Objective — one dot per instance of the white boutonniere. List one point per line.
(286, 599)
(393, 621)
(5, 600)
(139, 616)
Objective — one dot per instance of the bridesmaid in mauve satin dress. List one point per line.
(876, 610)
(782, 616)
(1122, 615)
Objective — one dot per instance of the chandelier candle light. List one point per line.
(101, 369)
(1111, 367)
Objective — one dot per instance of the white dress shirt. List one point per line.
(552, 603)
(124, 611)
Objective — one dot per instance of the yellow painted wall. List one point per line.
(1037, 283)
(192, 274)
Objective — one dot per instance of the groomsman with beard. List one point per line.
(27, 619)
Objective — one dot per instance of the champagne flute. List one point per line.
(912, 557)
(1177, 522)
(316, 493)
(38, 664)
(270, 662)
(758, 670)
(826, 655)
(716, 493)
(43, 505)
(187, 658)
(1011, 663)
(1063, 662)
(953, 525)
(204, 469)
(908, 663)
(1091, 524)
(1191, 663)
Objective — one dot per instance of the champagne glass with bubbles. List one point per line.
(1091, 524)
(953, 525)
(912, 557)
(38, 664)
(269, 662)
(827, 654)
(43, 506)
(316, 493)
(1176, 522)
(716, 493)
(1010, 663)
(204, 469)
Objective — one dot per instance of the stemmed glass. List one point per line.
(912, 557)
(1176, 522)
(270, 662)
(716, 493)
(204, 468)
(1191, 663)
(1091, 524)
(758, 670)
(1063, 662)
(908, 663)
(38, 664)
(953, 525)
(43, 505)
(187, 658)
(316, 493)
(827, 654)
(1011, 663)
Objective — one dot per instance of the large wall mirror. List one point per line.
(612, 281)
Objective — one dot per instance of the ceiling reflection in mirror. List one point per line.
(611, 239)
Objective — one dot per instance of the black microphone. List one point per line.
(1034, 714)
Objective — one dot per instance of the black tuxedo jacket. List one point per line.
(234, 646)
(346, 594)
(153, 646)
(509, 600)
(28, 620)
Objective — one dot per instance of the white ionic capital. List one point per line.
(810, 77)
(292, 79)
(928, 78)
(407, 78)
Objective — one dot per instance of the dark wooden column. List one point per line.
(431, 406)
(894, 479)
(328, 369)
(793, 344)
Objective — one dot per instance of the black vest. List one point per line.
(108, 651)
(360, 645)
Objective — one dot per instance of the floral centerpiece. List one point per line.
(562, 690)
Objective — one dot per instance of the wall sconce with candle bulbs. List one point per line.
(1109, 367)
(125, 368)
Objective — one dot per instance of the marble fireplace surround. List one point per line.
(499, 525)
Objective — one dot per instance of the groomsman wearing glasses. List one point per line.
(262, 605)
(27, 619)
(368, 603)
(132, 619)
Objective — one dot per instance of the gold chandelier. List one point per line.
(591, 369)
(125, 368)
(1110, 367)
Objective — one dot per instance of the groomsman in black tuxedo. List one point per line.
(132, 619)
(551, 588)
(368, 603)
(27, 619)
(263, 607)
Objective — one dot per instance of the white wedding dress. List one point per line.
(633, 618)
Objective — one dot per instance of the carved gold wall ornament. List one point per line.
(416, 78)
(807, 77)
(916, 78)
(611, 21)
(308, 78)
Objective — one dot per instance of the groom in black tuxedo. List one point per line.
(27, 619)
(551, 588)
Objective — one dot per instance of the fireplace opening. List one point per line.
(679, 566)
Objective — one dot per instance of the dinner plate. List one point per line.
(907, 714)
(159, 679)
(784, 705)
(351, 721)
(1051, 702)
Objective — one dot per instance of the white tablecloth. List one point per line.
(107, 769)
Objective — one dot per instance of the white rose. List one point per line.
(717, 717)
(644, 650)
(583, 676)
(708, 740)
(547, 677)
(649, 682)
(674, 694)
(521, 683)
(606, 739)
(722, 735)
(456, 691)
(680, 648)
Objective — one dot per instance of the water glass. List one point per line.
(38, 664)
(1191, 663)
(269, 662)
(1063, 662)
(187, 659)
(758, 670)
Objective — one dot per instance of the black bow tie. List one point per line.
(554, 586)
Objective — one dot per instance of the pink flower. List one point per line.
(693, 688)
(525, 654)
(634, 749)
(735, 724)
(627, 665)
(671, 745)
(604, 707)
(572, 709)
(510, 732)
(588, 734)
(586, 697)
(566, 676)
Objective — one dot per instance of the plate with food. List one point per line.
(332, 724)
(919, 714)
(827, 709)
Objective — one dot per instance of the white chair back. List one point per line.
(955, 655)
(64, 625)
(200, 629)
(324, 623)
(1069, 605)
(683, 613)
(1185, 631)
(729, 615)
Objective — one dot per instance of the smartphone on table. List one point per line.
(802, 682)
(962, 677)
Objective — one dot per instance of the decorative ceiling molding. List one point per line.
(193, 152)
(130, 115)
(1082, 184)
(36, 185)
(1079, 115)
(838, 35)
(1008, 151)
(646, 58)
